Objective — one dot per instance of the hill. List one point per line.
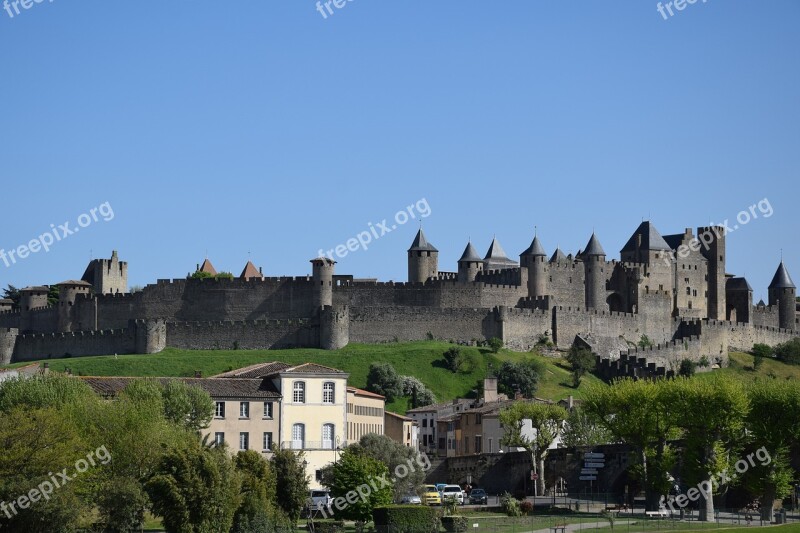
(420, 359)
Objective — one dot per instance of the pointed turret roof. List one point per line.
(470, 254)
(495, 251)
(250, 271)
(208, 267)
(593, 247)
(782, 279)
(421, 243)
(651, 239)
(557, 256)
(535, 248)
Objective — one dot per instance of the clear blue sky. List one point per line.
(259, 126)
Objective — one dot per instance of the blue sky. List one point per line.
(261, 127)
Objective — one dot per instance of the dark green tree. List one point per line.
(522, 376)
(383, 379)
(291, 482)
(454, 359)
(352, 474)
(582, 361)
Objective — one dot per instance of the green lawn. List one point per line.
(741, 365)
(422, 359)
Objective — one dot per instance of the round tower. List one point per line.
(594, 264)
(8, 339)
(423, 260)
(30, 298)
(469, 265)
(535, 260)
(783, 293)
(150, 335)
(68, 292)
(322, 277)
(334, 327)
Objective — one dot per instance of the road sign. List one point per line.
(594, 465)
(593, 455)
(589, 471)
(588, 478)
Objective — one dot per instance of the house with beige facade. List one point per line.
(365, 414)
(401, 429)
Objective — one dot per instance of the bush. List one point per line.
(704, 362)
(454, 524)
(789, 352)
(758, 362)
(406, 519)
(526, 507)
(383, 379)
(454, 359)
(330, 527)
(495, 344)
(582, 361)
(523, 376)
(510, 505)
(761, 350)
(687, 368)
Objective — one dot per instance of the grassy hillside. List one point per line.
(741, 365)
(420, 359)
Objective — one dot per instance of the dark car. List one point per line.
(478, 497)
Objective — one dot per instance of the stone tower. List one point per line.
(783, 293)
(31, 298)
(107, 276)
(594, 263)
(712, 247)
(423, 260)
(535, 260)
(469, 265)
(8, 340)
(68, 292)
(322, 278)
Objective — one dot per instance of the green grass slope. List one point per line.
(420, 359)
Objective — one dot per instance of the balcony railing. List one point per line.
(307, 445)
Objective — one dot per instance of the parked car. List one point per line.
(411, 499)
(431, 496)
(453, 492)
(319, 499)
(478, 497)
(440, 486)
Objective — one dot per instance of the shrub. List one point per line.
(454, 524)
(758, 362)
(495, 344)
(687, 368)
(454, 359)
(789, 352)
(582, 361)
(383, 379)
(510, 505)
(761, 350)
(406, 519)
(330, 527)
(526, 507)
(644, 342)
(704, 362)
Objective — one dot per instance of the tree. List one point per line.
(416, 390)
(546, 421)
(454, 359)
(12, 293)
(582, 361)
(644, 342)
(291, 482)
(383, 379)
(495, 344)
(393, 454)
(52, 295)
(761, 350)
(257, 512)
(50, 390)
(582, 430)
(789, 352)
(640, 414)
(712, 417)
(195, 489)
(687, 368)
(773, 425)
(188, 406)
(122, 504)
(358, 473)
(523, 377)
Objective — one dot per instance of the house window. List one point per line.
(244, 441)
(327, 436)
(424, 422)
(328, 389)
(298, 436)
(244, 409)
(491, 446)
(299, 392)
(219, 410)
(477, 419)
(267, 409)
(219, 439)
(477, 444)
(267, 441)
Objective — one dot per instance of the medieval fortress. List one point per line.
(641, 314)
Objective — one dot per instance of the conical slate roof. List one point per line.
(557, 256)
(651, 239)
(421, 243)
(535, 248)
(593, 247)
(495, 251)
(250, 271)
(470, 254)
(782, 279)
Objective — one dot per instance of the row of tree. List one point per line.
(158, 462)
(696, 429)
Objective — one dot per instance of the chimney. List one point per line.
(261, 270)
(198, 374)
(45, 368)
(490, 389)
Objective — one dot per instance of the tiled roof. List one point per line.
(421, 243)
(401, 417)
(362, 392)
(217, 388)
(35, 288)
(208, 267)
(648, 236)
(782, 279)
(535, 249)
(250, 271)
(74, 282)
(262, 370)
(312, 368)
(437, 406)
(470, 253)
